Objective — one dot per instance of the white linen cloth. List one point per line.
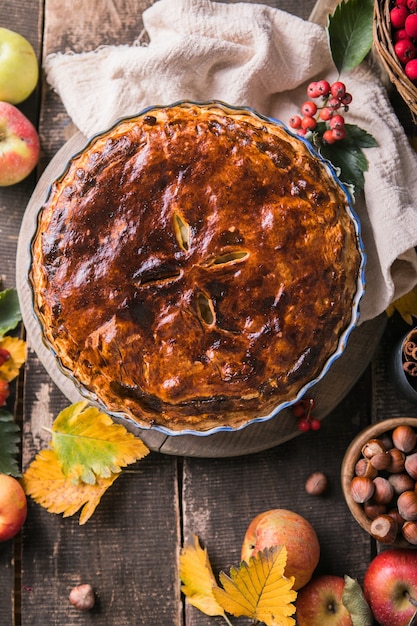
(253, 55)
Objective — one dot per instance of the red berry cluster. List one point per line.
(303, 411)
(403, 18)
(334, 98)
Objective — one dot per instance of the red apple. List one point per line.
(283, 527)
(390, 583)
(13, 507)
(19, 145)
(319, 603)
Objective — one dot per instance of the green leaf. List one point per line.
(9, 444)
(9, 311)
(358, 137)
(347, 155)
(350, 33)
(354, 600)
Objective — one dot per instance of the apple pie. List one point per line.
(195, 267)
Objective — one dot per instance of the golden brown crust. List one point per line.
(194, 268)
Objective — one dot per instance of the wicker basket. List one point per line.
(385, 49)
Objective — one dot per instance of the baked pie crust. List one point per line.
(195, 267)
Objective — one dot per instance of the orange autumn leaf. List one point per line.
(259, 589)
(45, 482)
(198, 579)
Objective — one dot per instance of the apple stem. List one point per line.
(413, 620)
(227, 621)
(411, 600)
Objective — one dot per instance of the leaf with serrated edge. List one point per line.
(354, 600)
(90, 445)
(10, 315)
(347, 156)
(359, 137)
(198, 579)
(9, 444)
(350, 33)
(352, 163)
(49, 487)
(259, 590)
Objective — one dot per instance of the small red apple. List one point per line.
(13, 507)
(390, 586)
(19, 145)
(283, 527)
(319, 603)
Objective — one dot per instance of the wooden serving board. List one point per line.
(256, 437)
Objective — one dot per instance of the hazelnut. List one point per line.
(384, 491)
(410, 465)
(372, 447)
(380, 461)
(394, 513)
(373, 509)
(386, 440)
(361, 489)
(364, 467)
(82, 597)
(404, 438)
(401, 482)
(384, 528)
(316, 484)
(397, 462)
(409, 532)
(407, 505)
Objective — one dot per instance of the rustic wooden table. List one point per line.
(129, 549)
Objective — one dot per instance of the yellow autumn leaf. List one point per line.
(17, 350)
(49, 487)
(89, 445)
(259, 589)
(406, 306)
(198, 580)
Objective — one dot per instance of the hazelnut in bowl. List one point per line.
(379, 481)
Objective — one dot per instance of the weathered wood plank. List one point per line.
(118, 551)
(127, 551)
(24, 17)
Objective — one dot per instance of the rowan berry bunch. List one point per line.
(303, 411)
(333, 101)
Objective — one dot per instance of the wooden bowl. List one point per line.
(352, 455)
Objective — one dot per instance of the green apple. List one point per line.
(19, 145)
(13, 507)
(19, 71)
(284, 527)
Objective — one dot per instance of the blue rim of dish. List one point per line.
(226, 108)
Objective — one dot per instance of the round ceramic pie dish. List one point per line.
(196, 268)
